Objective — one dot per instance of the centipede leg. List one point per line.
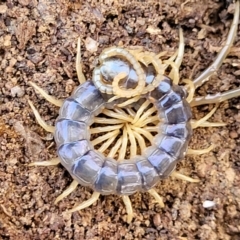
(210, 124)
(86, 204)
(129, 209)
(141, 141)
(183, 177)
(190, 88)
(105, 129)
(140, 111)
(130, 101)
(196, 123)
(48, 97)
(202, 78)
(81, 77)
(123, 148)
(145, 133)
(41, 122)
(105, 137)
(157, 197)
(133, 145)
(69, 190)
(51, 162)
(179, 58)
(105, 145)
(200, 151)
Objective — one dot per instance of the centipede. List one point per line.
(126, 129)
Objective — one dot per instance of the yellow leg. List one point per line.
(48, 97)
(115, 148)
(152, 119)
(175, 71)
(117, 115)
(123, 149)
(157, 197)
(104, 137)
(51, 162)
(81, 77)
(147, 114)
(133, 145)
(108, 121)
(105, 129)
(209, 124)
(145, 133)
(140, 140)
(130, 101)
(69, 190)
(195, 124)
(129, 209)
(140, 111)
(41, 122)
(105, 145)
(178, 60)
(87, 203)
(200, 151)
(183, 177)
(190, 89)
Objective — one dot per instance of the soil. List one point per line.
(38, 43)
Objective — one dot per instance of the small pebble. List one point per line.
(17, 91)
(208, 204)
(91, 45)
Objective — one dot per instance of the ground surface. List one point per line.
(38, 43)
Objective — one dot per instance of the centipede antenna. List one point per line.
(157, 197)
(205, 75)
(69, 190)
(183, 177)
(200, 151)
(81, 77)
(86, 204)
(196, 123)
(216, 98)
(51, 162)
(48, 97)
(129, 209)
(41, 122)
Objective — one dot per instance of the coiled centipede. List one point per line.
(137, 96)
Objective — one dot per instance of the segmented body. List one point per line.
(106, 175)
